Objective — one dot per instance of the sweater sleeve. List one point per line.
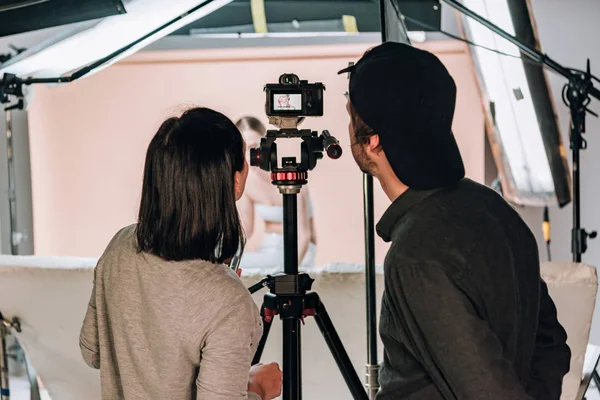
(88, 337)
(227, 351)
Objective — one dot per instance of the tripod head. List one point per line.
(291, 173)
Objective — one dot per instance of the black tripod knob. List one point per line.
(334, 151)
(592, 234)
(255, 157)
(331, 145)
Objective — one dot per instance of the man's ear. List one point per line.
(374, 146)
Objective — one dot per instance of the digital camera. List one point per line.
(292, 97)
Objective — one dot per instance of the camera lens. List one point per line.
(334, 151)
(255, 157)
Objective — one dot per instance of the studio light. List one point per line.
(18, 16)
(524, 133)
(118, 36)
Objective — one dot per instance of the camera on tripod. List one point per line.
(287, 104)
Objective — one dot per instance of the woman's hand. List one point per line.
(265, 380)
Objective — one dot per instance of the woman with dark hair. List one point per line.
(168, 319)
(263, 200)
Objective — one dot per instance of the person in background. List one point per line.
(465, 314)
(263, 199)
(167, 318)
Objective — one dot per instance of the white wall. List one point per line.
(568, 32)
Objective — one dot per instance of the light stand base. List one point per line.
(372, 384)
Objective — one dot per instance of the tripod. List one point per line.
(289, 295)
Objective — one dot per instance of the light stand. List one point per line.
(577, 94)
(10, 87)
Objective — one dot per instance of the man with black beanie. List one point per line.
(465, 314)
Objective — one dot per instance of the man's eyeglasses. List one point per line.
(347, 95)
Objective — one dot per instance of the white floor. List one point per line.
(592, 394)
(19, 389)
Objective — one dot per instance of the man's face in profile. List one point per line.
(358, 149)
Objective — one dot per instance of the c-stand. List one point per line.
(577, 94)
(289, 295)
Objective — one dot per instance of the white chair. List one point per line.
(50, 296)
(573, 288)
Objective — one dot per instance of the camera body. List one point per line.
(293, 98)
(288, 103)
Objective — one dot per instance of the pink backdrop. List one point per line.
(88, 138)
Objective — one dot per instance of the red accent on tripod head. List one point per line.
(283, 176)
(309, 312)
(269, 313)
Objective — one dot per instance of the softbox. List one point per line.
(18, 16)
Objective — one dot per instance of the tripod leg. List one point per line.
(292, 372)
(264, 337)
(596, 379)
(337, 349)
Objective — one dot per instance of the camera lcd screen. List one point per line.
(287, 102)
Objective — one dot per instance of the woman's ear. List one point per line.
(237, 185)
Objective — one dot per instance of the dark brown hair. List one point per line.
(251, 123)
(188, 209)
(362, 131)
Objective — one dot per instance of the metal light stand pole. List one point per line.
(577, 94)
(372, 367)
(372, 373)
(12, 200)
